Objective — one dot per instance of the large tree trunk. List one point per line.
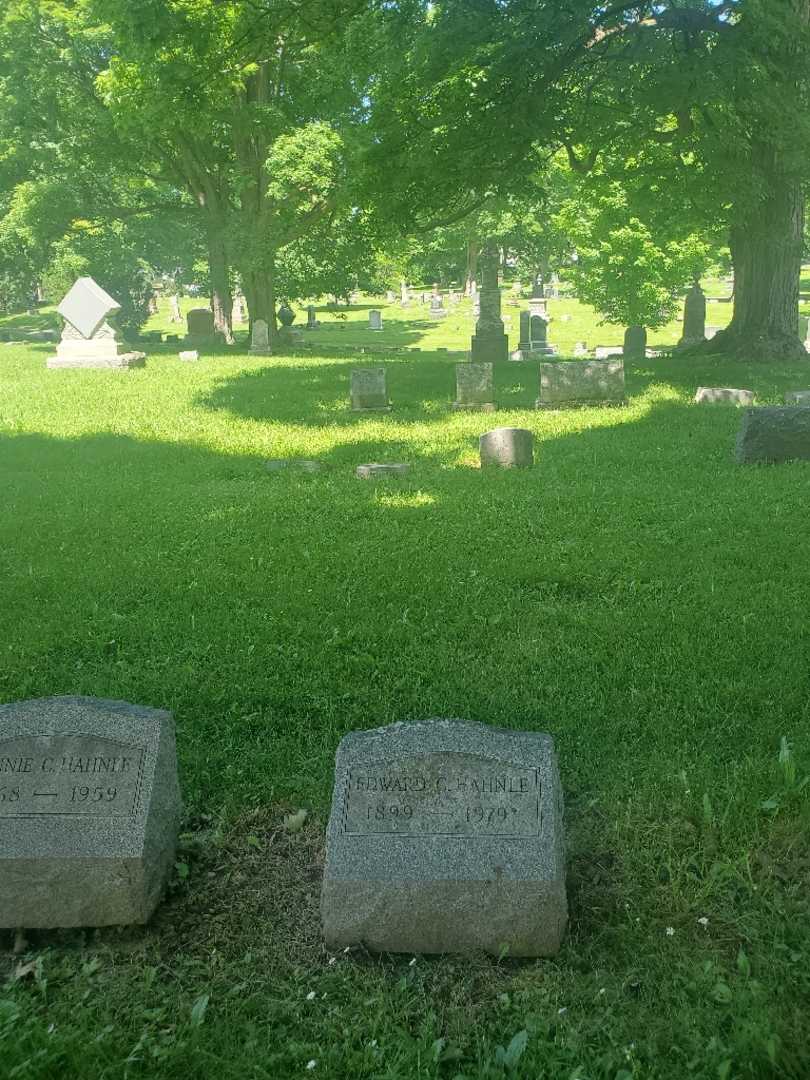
(473, 251)
(766, 248)
(260, 296)
(221, 297)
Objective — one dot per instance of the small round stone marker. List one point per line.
(511, 448)
(368, 472)
(301, 464)
(188, 355)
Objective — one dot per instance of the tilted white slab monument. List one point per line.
(88, 340)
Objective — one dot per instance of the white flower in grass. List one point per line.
(670, 931)
(311, 1063)
(332, 960)
(704, 922)
(311, 995)
(412, 962)
(562, 1011)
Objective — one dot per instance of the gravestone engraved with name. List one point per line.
(474, 388)
(88, 340)
(89, 810)
(446, 836)
(368, 390)
(774, 434)
(572, 383)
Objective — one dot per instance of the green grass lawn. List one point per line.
(636, 594)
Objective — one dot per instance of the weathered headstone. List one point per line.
(237, 309)
(390, 296)
(538, 330)
(200, 323)
(174, 309)
(368, 390)
(437, 310)
(88, 340)
(89, 811)
(694, 316)
(525, 342)
(510, 448)
(572, 383)
(188, 355)
(538, 306)
(723, 395)
(404, 295)
(804, 331)
(446, 837)
(375, 321)
(635, 343)
(260, 337)
(580, 349)
(376, 468)
(489, 343)
(605, 352)
(797, 397)
(773, 434)
(712, 332)
(474, 388)
(312, 321)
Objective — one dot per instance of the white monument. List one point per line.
(88, 340)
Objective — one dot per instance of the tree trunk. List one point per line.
(221, 298)
(766, 243)
(260, 296)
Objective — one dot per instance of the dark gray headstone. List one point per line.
(507, 447)
(446, 836)
(374, 469)
(200, 323)
(694, 316)
(774, 434)
(89, 811)
(635, 343)
(490, 343)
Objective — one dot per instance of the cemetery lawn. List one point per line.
(636, 594)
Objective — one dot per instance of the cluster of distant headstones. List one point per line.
(766, 434)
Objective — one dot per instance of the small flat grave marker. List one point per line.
(723, 395)
(774, 434)
(89, 809)
(446, 836)
(374, 469)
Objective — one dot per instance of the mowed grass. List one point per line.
(636, 594)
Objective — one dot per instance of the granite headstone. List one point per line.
(571, 383)
(773, 434)
(368, 390)
(474, 388)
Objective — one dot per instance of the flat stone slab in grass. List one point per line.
(723, 395)
(189, 355)
(368, 390)
(507, 447)
(797, 397)
(446, 836)
(573, 383)
(773, 434)
(300, 464)
(368, 472)
(89, 811)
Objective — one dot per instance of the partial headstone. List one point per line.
(446, 837)
(605, 352)
(572, 383)
(538, 306)
(375, 321)
(797, 397)
(174, 309)
(188, 355)
(89, 811)
(712, 332)
(476, 298)
(507, 447)
(368, 390)
(723, 395)
(260, 337)
(374, 469)
(489, 343)
(237, 310)
(694, 317)
(474, 388)
(525, 342)
(390, 296)
(200, 323)
(635, 343)
(88, 340)
(405, 298)
(774, 434)
(312, 321)
(580, 349)
(804, 331)
(538, 331)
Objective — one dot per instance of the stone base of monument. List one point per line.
(371, 408)
(774, 434)
(446, 837)
(478, 406)
(489, 348)
(104, 353)
(543, 350)
(89, 814)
